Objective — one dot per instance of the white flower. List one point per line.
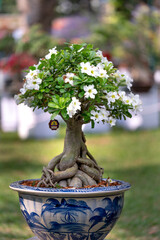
(100, 66)
(102, 73)
(76, 103)
(71, 46)
(109, 180)
(69, 78)
(85, 67)
(73, 107)
(24, 89)
(96, 116)
(37, 65)
(80, 49)
(71, 111)
(138, 108)
(51, 51)
(104, 114)
(90, 91)
(122, 95)
(112, 97)
(111, 121)
(93, 71)
(99, 54)
(32, 74)
(136, 103)
(127, 100)
(135, 99)
(106, 62)
(129, 81)
(119, 76)
(33, 83)
(18, 99)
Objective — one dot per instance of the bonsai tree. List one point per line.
(81, 86)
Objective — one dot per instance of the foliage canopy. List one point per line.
(78, 82)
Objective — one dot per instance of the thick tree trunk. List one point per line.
(72, 144)
(41, 12)
(76, 166)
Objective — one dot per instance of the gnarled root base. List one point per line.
(76, 166)
(84, 172)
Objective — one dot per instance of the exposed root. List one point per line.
(68, 160)
(68, 181)
(52, 164)
(76, 182)
(85, 161)
(90, 156)
(51, 177)
(85, 178)
(68, 173)
(81, 176)
(92, 172)
(46, 179)
(63, 183)
(76, 165)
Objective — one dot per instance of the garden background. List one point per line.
(128, 32)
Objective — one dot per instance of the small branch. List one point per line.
(90, 156)
(83, 137)
(54, 161)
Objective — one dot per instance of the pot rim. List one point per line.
(95, 191)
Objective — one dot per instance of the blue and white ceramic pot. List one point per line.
(71, 214)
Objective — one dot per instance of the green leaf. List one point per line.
(81, 94)
(40, 96)
(54, 114)
(67, 95)
(128, 114)
(53, 105)
(76, 82)
(92, 123)
(76, 77)
(67, 85)
(32, 68)
(89, 46)
(60, 80)
(62, 90)
(110, 87)
(92, 54)
(64, 113)
(86, 117)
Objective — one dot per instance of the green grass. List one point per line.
(129, 156)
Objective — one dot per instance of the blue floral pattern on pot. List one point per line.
(71, 218)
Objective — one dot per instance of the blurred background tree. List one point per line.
(38, 12)
(130, 33)
(8, 6)
(36, 42)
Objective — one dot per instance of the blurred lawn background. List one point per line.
(129, 156)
